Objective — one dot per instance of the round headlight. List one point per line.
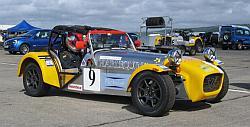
(175, 56)
(14, 42)
(210, 54)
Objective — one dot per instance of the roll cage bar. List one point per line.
(162, 22)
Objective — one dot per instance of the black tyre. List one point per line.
(12, 52)
(192, 51)
(240, 46)
(183, 49)
(198, 46)
(224, 47)
(153, 94)
(33, 81)
(24, 48)
(224, 89)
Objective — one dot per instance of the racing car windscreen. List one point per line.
(100, 41)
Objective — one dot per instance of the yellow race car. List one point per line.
(102, 60)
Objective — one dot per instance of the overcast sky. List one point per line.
(124, 14)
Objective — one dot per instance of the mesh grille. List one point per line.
(212, 82)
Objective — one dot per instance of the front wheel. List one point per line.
(153, 94)
(224, 89)
(240, 46)
(24, 48)
(192, 51)
(33, 81)
(224, 47)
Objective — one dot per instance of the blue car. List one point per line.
(34, 40)
(234, 37)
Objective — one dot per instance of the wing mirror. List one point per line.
(81, 44)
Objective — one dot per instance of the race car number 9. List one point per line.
(91, 79)
(91, 76)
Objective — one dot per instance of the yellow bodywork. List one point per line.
(158, 39)
(49, 73)
(145, 67)
(194, 72)
(195, 40)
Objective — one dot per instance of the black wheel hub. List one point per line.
(149, 93)
(32, 79)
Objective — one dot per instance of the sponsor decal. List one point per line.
(157, 60)
(110, 58)
(75, 87)
(49, 62)
(206, 68)
(119, 64)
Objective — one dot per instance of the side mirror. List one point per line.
(81, 44)
(137, 43)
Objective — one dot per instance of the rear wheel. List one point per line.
(183, 49)
(192, 51)
(224, 47)
(33, 81)
(153, 94)
(224, 89)
(24, 48)
(12, 52)
(199, 46)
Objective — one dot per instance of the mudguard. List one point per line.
(146, 67)
(195, 39)
(48, 69)
(194, 71)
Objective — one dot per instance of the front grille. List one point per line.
(212, 82)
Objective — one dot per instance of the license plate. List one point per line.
(229, 42)
(6, 46)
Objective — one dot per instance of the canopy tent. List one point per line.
(22, 27)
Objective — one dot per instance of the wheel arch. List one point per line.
(146, 67)
(24, 43)
(49, 73)
(24, 63)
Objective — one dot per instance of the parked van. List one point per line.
(234, 37)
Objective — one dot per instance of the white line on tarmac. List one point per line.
(239, 91)
(11, 64)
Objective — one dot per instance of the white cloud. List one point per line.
(123, 14)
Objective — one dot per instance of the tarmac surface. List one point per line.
(64, 109)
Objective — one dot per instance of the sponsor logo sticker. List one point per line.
(49, 62)
(110, 58)
(75, 87)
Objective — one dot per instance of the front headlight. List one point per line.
(210, 54)
(175, 56)
(14, 42)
